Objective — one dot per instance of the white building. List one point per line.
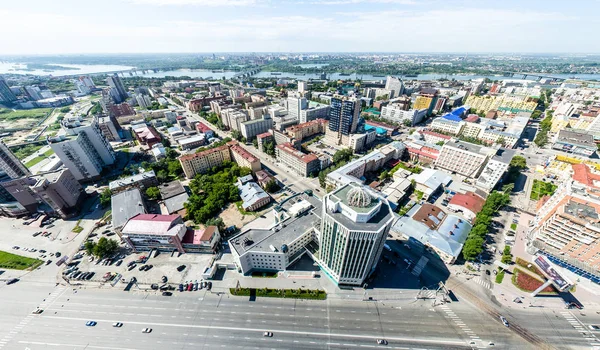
(396, 114)
(355, 224)
(464, 158)
(295, 105)
(83, 150)
(395, 85)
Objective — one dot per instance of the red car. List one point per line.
(190, 286)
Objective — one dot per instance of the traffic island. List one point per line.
(527, 283)
(314, 294)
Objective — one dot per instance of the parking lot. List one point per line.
(128, 265)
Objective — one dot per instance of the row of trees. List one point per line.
(340, 158)
(213, 191)
(541, 139)
(474, 244)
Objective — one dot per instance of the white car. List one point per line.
(117, 324)
(146, 330)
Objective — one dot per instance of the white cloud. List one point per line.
(211, 3)
(350, 2)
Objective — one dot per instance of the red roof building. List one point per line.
(468, 203)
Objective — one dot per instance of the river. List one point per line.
(76, 69)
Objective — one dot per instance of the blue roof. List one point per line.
(459, 111)
(452, 117)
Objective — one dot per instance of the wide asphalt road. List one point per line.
(204, 320)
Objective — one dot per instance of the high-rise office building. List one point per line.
(33, 92)
(87, 81)
(10, 164)
(84, 150)
(343, 115)
(354, 227)
(295, 106)
(395, 85)
(302, 86)
(6, 94)
(117, 89)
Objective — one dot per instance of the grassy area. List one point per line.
(38, 159)
(25, 151)
(500, 276)
(37, 113)
(17, 262)
(540, 189)
(238, 204)
(77, 228)
(526, 265)
(513, 226)
(282, 293)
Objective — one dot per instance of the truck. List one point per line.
(62, 260)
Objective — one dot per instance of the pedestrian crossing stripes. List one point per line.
(485, 284)
(581, 328)
(473, 338)
(46, 303)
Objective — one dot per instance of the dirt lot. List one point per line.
(232, 216)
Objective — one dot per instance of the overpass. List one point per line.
(535, 75)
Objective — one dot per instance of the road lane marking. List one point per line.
(260, 331)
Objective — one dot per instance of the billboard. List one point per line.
(561, 282)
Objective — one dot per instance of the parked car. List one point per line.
(117, 324)
(195, 288)
(12, 281)
(119, 262)
(180, 268)
(163, 279)
(37, 311)
(147, 330)
(166, 294)
(209, 285)
(36, 234)
(180, 287)
(57, 254)
(91, 323)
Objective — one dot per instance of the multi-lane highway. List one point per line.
(205, 320)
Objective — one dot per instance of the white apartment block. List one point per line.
(84, 151)
(464, 158)
(396, 114)
(447, 126)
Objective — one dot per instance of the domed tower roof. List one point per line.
(359, 197)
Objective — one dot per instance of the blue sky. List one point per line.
(137, 26)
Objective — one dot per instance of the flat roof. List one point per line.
(504, 155)
(126, 205)
(260, 240)
(131, 180)
(576, 137)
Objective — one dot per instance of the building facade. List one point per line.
(354, 227)
(201, 162)
(10, 164)
(302, 164)
(343, 116)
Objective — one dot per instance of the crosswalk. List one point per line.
(46, 303)
(582, 329)
(485, 284)
(474, 340)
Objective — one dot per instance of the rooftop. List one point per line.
(468, 200)
(235, 147)
(306, 158)
(151, 224)
(383, 215)
(433, 133)
(203, 153)
(504, 155)
(260, 240)
(198, 236)
(583, 174)
(113, 185)
(126, 205)
(576, 137)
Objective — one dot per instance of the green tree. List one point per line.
(174, 168)
(269, 148)
(65, 109)
(272, 186)
(255, 143)
(236, 134)
(105, 198)
(472, 248)
(440, 143)
(407, 123)
(162, 176)
(105, 247)
(216, 222)
(89, 247)
(153, 193)
(343, 155)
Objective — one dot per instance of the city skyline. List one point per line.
(160, 26)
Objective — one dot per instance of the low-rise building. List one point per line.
(468, 203)
(125, 205)
(201, 162)
(253, 196)
(242, 157)
(202, 241)
(164, 233)
(464, 158)
(146, 135)
(577, 142)
(301, 163)
(192, 142)
(430, 181)
(141, 181)
(423, 152)
(251, 128)
(428, 225)
(397, 114)
(173, 197)
(307, 129)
